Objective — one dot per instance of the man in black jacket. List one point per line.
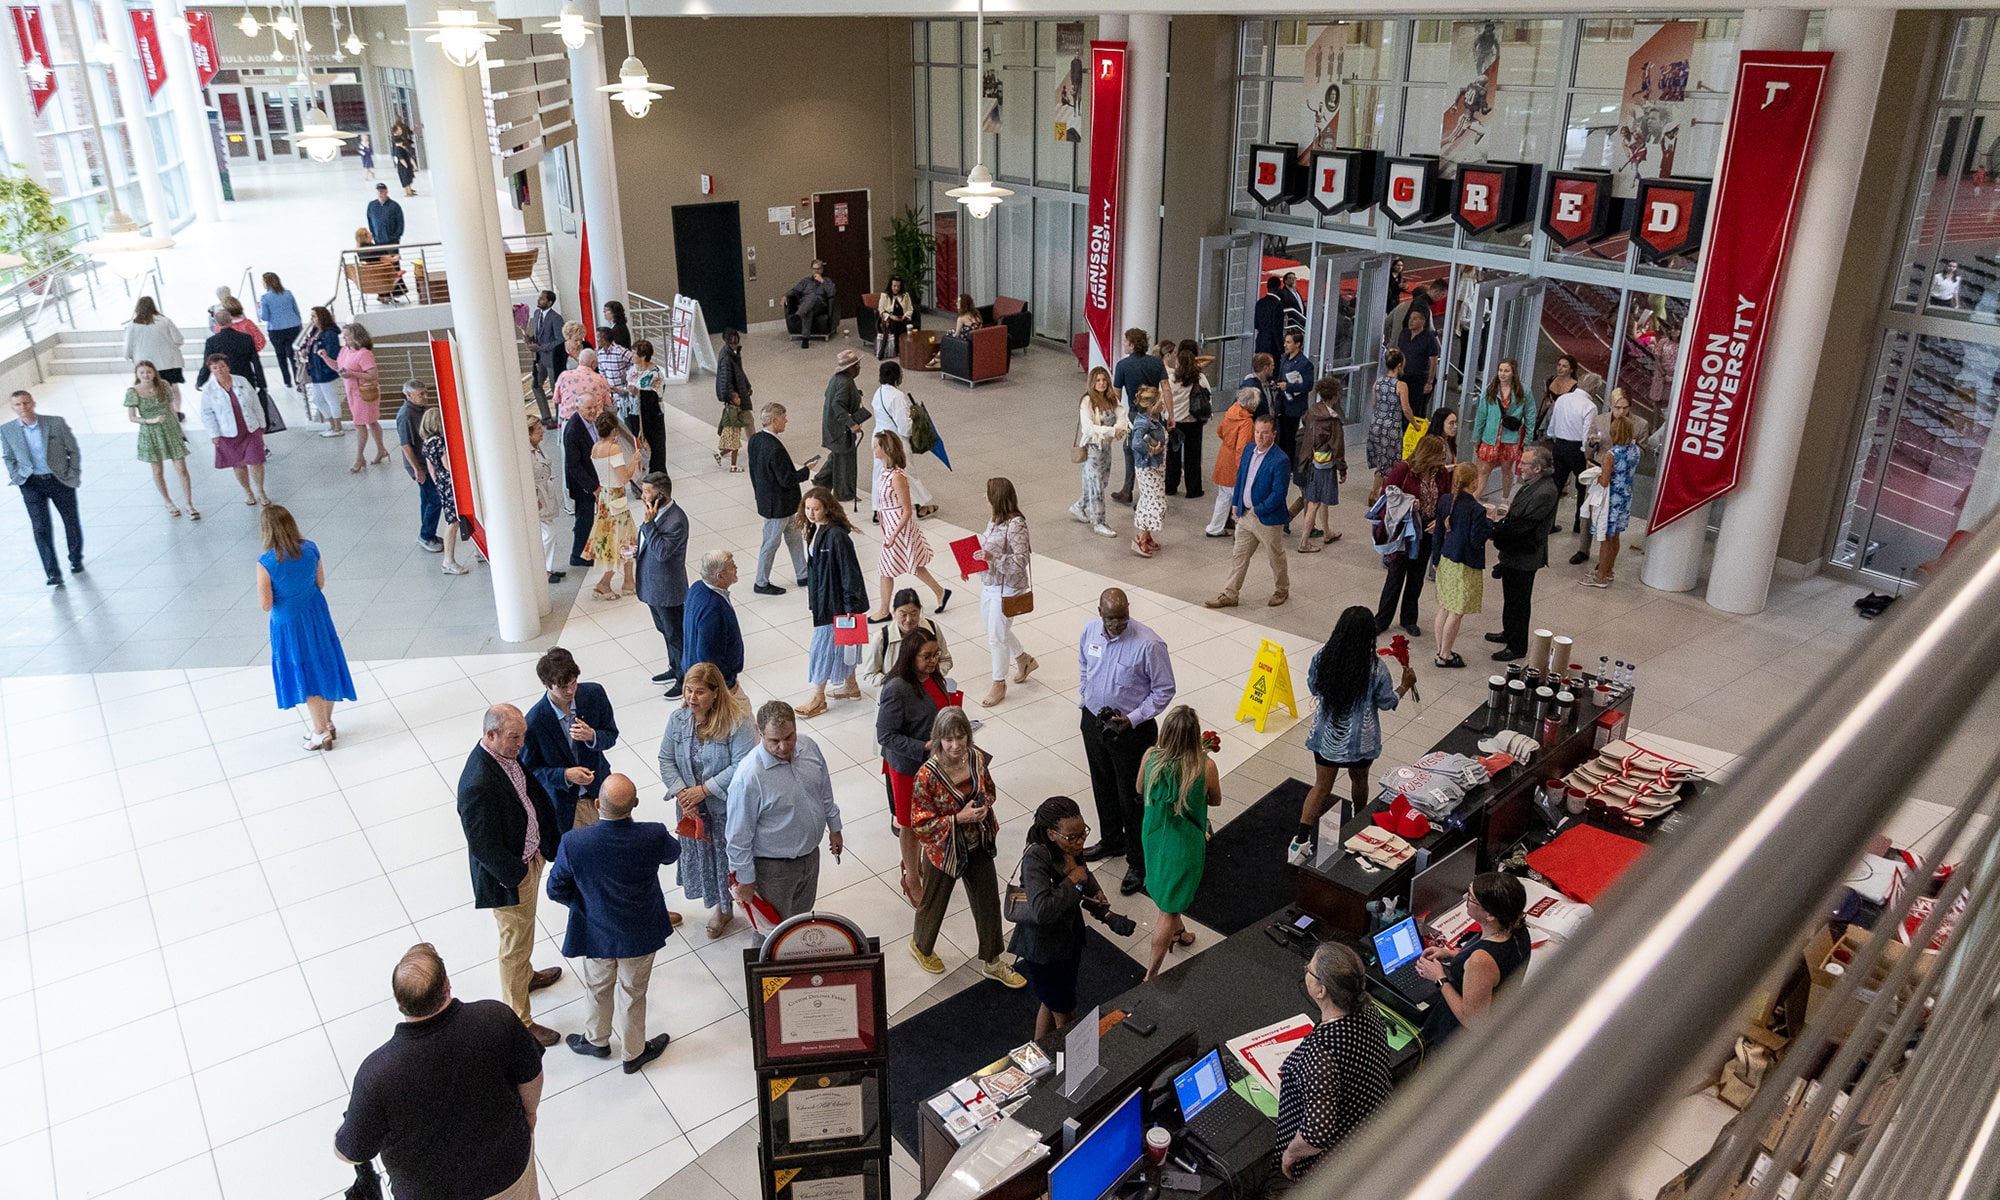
(238, 348)
(1522, 540)
(775, 481)
(840, 427)
(510, 834)
(579, 435)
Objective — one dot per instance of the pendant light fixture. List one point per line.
(176, 23)
(634, 89)
(354, 43)
(248, 23)
(317, 135)
(571, 26)
(980, 195)
(287, 28)
(123, 244)
(461, 33)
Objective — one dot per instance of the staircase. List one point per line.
(87, 352)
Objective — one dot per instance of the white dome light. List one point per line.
(634, 89)
(124, 247)
(979, 195)
(353, 43)
(461, 34)
(574, 30)
(286, 27)
(248, 24)
(321, 140)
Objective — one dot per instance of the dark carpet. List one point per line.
(934, 1049)
(1247, 877)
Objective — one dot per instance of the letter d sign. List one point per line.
(1661, 217)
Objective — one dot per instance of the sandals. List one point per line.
(250, 501)
(356, 468)
(850, 695)
(1184, 939)
(194, 514)
(718, 923)
(718, 458)
(1453, 661)
(1308, 548)
(601, 594)
(172, 511)
(811, 708)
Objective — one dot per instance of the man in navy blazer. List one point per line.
(510, 832)
(609, 876)
(1263, 473)
(712, 634)
(569, 729)
(579, 436)
(662, 569)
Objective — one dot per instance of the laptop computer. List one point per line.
(1221, 1125)
(1397, 950)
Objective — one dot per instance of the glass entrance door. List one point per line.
(1225, 289)
(1506, 324)
(1349, 295)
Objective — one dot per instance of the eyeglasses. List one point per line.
(1064, 837)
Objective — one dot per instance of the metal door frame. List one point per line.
(1221, 327)
(1364, 354)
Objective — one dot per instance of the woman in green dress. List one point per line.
(1178, 781)
(149, 404)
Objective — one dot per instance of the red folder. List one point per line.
(963, 548)
(851, 630)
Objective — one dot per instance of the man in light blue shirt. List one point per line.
(42, 460)
(1122, 667)
(780, 805)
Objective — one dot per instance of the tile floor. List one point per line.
(195, 924)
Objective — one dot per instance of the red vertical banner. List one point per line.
(35, 47)
(1756, 200)
(444, 365)
(151, 60)
(201, 40)
(1107, 148)
(588, 315)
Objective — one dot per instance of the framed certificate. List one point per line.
(863, 1177)
(810, 1114)
(806, 1011)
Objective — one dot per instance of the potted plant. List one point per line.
(911, 251)
(30, 226)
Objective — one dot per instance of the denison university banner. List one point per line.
(1763, 169)
(1107, 147)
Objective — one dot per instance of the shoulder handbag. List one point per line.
(1201, 404)
(1014, 898)
(923, 434)
(1019, 605)
(370, 390)
(1078, 452)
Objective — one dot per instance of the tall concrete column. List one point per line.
(1673, 554)
(496, 436)
(1145, 156)
(1746, 550)
(191, 119)
(594, 161)
(17, 113)
(130, 79)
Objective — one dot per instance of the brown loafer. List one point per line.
(674, 919)
(543, 1035)
(546, 977)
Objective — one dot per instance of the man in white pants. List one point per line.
(548, 500)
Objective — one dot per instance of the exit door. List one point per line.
(1507, 323)
(841, 240)
(1224, 294)
(708, 260)
(1350, 295)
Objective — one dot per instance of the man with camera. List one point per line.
(1126, 680)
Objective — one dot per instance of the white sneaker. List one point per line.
(1103, 530)
(1076, 510)
(1299, 853)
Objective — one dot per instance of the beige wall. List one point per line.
(1842, 388)
(1200, 107)
(775, 110)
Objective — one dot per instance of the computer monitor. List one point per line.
(1200, 1084)
(1398, 945)
(1103, 1156)
(1507, 821)
(1443, 883)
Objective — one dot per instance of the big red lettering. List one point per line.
(1403, 189)
(1267, 174)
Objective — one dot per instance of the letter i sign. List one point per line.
(1270, 683)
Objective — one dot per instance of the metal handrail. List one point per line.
(1542, 1093)
(649, 319)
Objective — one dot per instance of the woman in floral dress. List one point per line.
(150, 405)
(1388, 419)
(904, 549)
(1149, 462)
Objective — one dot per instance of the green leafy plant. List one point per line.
(30, 226)
(912, 250)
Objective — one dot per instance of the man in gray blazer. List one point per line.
(662, 569)
(42, 460)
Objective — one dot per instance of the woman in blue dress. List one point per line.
(307, 664)
(706, 737)
(1619, 465)
(1351, 685)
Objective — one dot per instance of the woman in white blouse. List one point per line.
(891, 405)
(150, 336)
(1004, 548)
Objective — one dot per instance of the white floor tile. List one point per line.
(194, 1179)
(23, 1105)
(321, 868)
(27, 1163)
(417, 837)
(246, 1017)
(705, 1074)
(342, 918)
(174, 816)
(575, 1130)
(73, 947)
(637, 1177)
(433, 886)
(355, 977)
(199, 855)
(292, 1160)
(358, 1034)
(113, 1065)
(296, 826)
(166, 773)
(211, 903)
(151, 1131)
(86, 1005)
(264, 1087)
(78, 891)
(201, 966)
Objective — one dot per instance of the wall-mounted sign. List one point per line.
(1576, 206)
(1100, 223)
(201, 41)
(151, 60)
(1488, 197)
(34, 46)
(1668, 215)
(1342, 179)
(1411, 190)
(1276, 175)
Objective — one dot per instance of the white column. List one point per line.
(191, 118)
(1145, 152)
(490, 397)
(130, 78)
(1673, 554)
(1746, 550)
(17, 112)
(594, 159)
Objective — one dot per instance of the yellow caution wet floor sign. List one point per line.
(1270, 684)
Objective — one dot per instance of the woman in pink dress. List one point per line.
(356, 365)
(239, 442)
(904, 550)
